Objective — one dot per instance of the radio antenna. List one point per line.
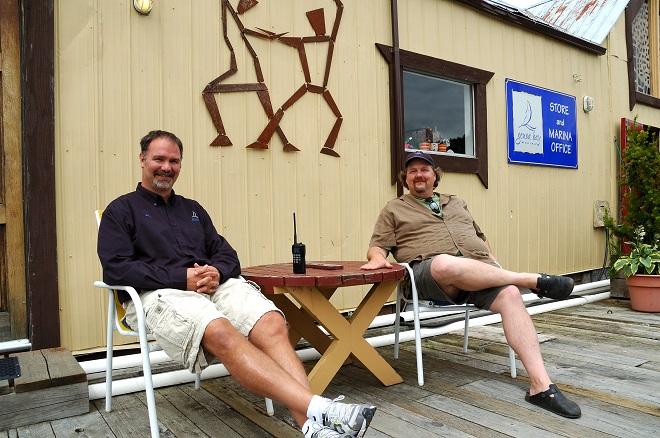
(295, 233)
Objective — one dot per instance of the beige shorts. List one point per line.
(178, 318)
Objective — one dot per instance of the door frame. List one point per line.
(37, 26)
(12, 150)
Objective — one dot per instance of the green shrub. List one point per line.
(640, 173)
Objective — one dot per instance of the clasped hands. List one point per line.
(202, 279)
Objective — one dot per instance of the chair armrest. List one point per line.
(135, 297)
(408, 268)
(411, 277)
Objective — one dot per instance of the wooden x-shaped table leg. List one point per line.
(301, 324)
(347, 334)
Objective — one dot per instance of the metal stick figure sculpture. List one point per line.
(317, 20)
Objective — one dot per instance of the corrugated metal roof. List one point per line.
(590, 20)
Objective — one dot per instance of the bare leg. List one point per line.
(271, 336)
(521, 336)
(254, 369)
(460, 273)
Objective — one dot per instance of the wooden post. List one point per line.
(11, 147)
(38, 67)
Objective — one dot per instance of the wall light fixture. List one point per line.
(143, 7)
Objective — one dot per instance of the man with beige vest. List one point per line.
(452, 261)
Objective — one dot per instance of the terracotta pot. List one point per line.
(644, 292)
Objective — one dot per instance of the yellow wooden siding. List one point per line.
(536, 218)
(119, 75)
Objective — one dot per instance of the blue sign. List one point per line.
(541, 126)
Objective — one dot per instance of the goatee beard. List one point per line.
(163, 185)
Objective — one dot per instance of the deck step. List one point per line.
(52, 385)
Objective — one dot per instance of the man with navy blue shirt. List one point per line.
(195, 303)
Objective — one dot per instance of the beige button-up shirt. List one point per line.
(411, 232)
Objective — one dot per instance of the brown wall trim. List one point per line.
(631, 11)
(37, 55)
(634, 96)
(479, 78)
(396, 118)
(526, 22)
(647, 100)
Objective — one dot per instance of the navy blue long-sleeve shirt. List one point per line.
(148, 243)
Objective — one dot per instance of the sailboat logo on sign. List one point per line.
(527, 122)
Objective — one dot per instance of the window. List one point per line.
(643, 41)
(437, 115)
(443, 111)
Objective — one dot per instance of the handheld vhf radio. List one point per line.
(298, 251)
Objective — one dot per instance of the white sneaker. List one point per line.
(316, 430)
(348, 418)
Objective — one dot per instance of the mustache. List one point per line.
(168, 174)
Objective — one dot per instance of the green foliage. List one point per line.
(644, 258)
(641, 175)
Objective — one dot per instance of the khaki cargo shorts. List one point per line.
(178, 318)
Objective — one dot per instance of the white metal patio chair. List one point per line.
(431, 307)
(115, 321)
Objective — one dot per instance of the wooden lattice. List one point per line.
(641, 50)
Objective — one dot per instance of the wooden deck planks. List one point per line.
(611, 367)
(618, 421)
(128, 418)
(628, 329)
(221, 388)
(612, 310)
(89, 425)
(376, 394)
(441, 384)
(398, 420)
(233, 419)
(491, 420)
(608, 342)
(171, 420)
(206, 420)
(41, 430)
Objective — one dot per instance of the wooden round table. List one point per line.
(312, 291)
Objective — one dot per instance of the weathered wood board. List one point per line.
(52, 385)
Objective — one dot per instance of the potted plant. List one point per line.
(642, 269)
(639, 222)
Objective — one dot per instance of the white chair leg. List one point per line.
(418, 341)
(269, 407)
(146, 368)
(418, 330)
(512, 362)
(109, 351)
(397, 323)
(465, 331)
(197, 380)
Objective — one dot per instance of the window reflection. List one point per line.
(438, 115)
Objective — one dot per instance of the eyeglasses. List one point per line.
(434, 206)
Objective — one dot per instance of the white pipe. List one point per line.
(134, 384)
(159, 356)
(15, 346)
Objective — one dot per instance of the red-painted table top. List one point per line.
(281, 274)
